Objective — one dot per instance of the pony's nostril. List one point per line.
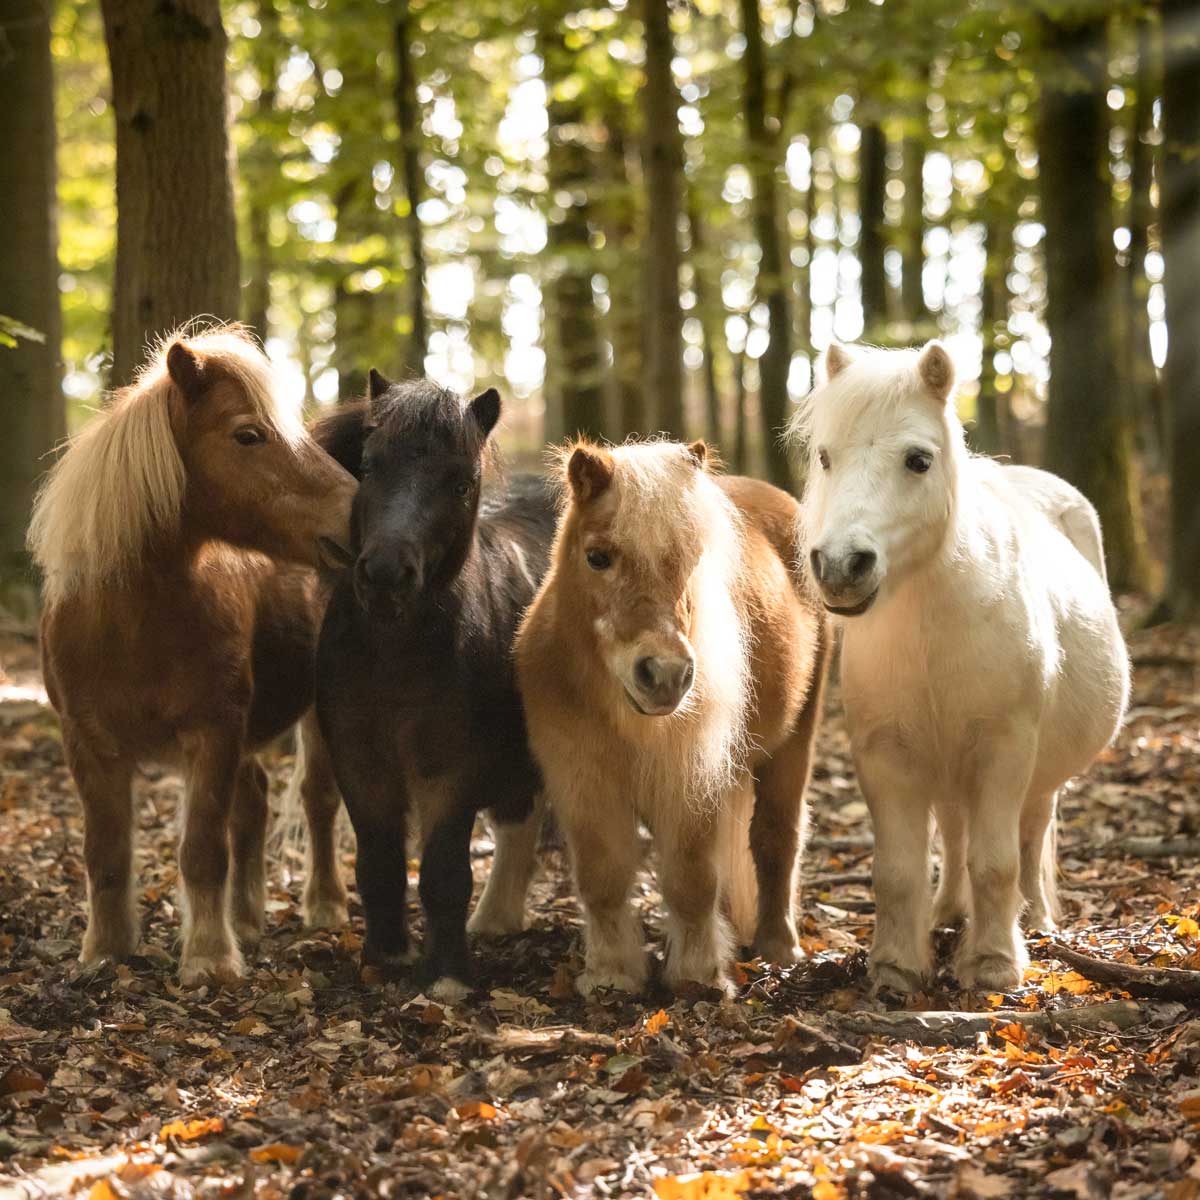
(860, 563)
(818, 565)
(645, 671)
(689, 673)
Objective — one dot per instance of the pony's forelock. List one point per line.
(120, 481)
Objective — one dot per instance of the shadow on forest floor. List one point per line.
(308, 1082)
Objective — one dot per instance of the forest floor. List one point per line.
(311, 1082)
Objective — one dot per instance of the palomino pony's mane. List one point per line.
(668, 507)
(120, 482)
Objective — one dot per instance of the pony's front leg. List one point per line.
(898, 798)
(501, 906)
(248, 830)
(699, 940)
(105, 789)
(210, 951)
(992, 953)
(446, 885)
(603, 841)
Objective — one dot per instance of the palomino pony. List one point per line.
(672, 670)
(416, 689)
(982, 665)
(170, 633)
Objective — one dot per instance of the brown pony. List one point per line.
(672, 668)
(170, 633)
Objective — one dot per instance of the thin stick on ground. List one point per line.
(1162, 983)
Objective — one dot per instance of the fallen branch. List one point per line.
(839, 879)
(1161, 983)
(856, 841)
(1154, 847)
(962, 1028)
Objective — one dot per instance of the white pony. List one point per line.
(982, 665)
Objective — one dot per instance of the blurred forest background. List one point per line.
(631, 216)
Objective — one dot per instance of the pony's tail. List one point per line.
(739, 881)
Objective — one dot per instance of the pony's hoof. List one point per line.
(782, 951)
(390, 962)
(224, 970)
(325, 914)
(96, 952)
(683, 985)
(893, 977)
(948, 916)
(495, 922)
(249, 931)
(993, 972)
(617, 978)
(1038, 921)
(450, 990)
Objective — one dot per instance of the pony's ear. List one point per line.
(835, 360)
(377, 384)
(589, 472)
(699, 452)
(936, 368)
(186, 369)
(485, 408)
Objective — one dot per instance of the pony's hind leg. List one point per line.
(248, 828)
(952, 901)
(325, 901)
(501, 906)
(210, 950)
(105, 789)
(699, 939)
(1039, 861)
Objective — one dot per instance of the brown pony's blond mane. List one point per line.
(120, 481)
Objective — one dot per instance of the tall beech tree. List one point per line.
(412, 176)
(1181, 251)
(662, 158)
(872, 180)
(177, 253)
(31, 412)
(1089, 431)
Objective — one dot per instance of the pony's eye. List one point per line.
(463, 488)
(249, 435)
(918, 461)
(823, 459)
(599, 560)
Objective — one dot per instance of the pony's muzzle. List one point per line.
(848, 579)
(388, 577)
(661, 683)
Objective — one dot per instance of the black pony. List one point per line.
(416, 690)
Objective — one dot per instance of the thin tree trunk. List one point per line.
(624, 278)
(177, 254)
(412, 178)
(260, 167)
(772, 284)
(912, 233)
(354, 310)
(1147, 397)
(988, 436)
(872, 179)
(1181, 253)
(706, 300)
(575, 367)
(1089, 439)
(31, 411)
(662, 157)
(741, 447)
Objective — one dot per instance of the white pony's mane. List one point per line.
(666, 505)
(120, 482)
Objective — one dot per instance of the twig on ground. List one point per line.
(839, 879)
(1154, 847)
(959, 1028)
(1162, 983)
(857, 841)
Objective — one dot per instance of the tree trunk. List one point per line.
(31, 411)
(872, 180)
(1089, 438)
(912, 233)
(741, 448)
(707, 302)
(259, 169)
(1181, 253)
(1146, 397)
(574, 363)
(662, 157)
(772, 285)
(624, 278)
(355, 311)
(988, 436)
(409, 117)
(177, 254)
